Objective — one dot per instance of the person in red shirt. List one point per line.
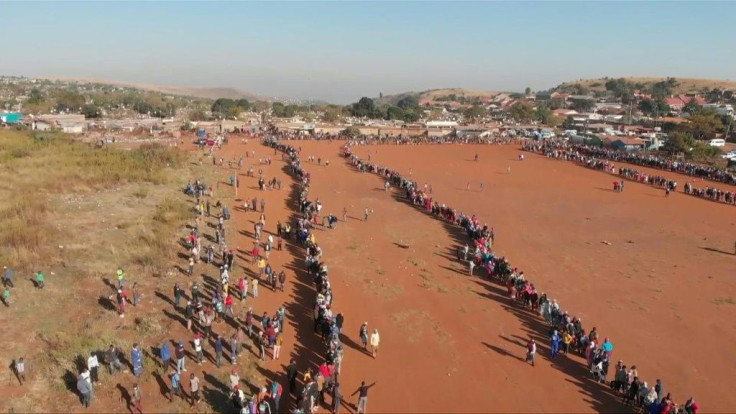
(229, 305)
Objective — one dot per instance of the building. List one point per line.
(10, 117)
(623, 143)
(721, 109)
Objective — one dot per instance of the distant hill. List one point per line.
(686, 85)
(206, 93)
(433, 94)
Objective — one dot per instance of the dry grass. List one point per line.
(76, 213)
(686, 85)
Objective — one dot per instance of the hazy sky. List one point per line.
(340, 51)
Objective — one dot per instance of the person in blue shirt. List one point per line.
(554, 344)
(8, 278)
(136, 357)
(165, 356)
(175, 386)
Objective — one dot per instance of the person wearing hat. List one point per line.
(181, 356)
(234, 378)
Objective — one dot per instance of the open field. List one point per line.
(660, 290)
(665, 276)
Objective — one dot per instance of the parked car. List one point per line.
(730, 155)
(717, 142)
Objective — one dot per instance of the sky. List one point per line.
(340, 51)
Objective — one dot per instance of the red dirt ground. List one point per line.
(661, 286)
(451, 342)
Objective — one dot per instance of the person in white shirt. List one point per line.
(375, 340)
(93, 364)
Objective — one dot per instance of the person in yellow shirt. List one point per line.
(313, 238)
(261, 267)
(566, 340)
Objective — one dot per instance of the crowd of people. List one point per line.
(566, 332)
(603, 159)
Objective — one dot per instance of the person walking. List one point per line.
(362, 406)
(243, 287)
(6, 296)
(277, 348)
(191, 266)
(375, 340)
(471, 267)
(121, 298)
(255, 287)
(137, 399)
(554, 344)
(365, 214)
(93, 364)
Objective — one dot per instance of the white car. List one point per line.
(730, 156)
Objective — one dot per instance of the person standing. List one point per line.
(165, 356)
(121, 278)
(365, 214)
(276, 391)
(194, 389)
(84, 388)
(336, 398)
(471, 267)
(137, 399)
(277, 348)
(121, 298)
(291, 373)
(20, 370)
(364, 335)
(40, 278)
(175, 386)
(198, 349)
(136, 357)
(344, 214)
(554, 344)
(93, 364)
(8, 278)
(218, 350)
(243, 287)
(255, 287)
(363, 397)
(113, 360)
(191, 266)
(375, 340)
(178, 293)
(181, 356)
(531, 351)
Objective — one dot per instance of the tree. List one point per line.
(91, 111)
(652, 107)
(331, 115)
(692, 107)
(527, 91)
(583, 105)
(408, 102)
(522, 111)
(365, 107)
(568, 123)
(621, 89)
(703, 125)
(395, 112)
(197, 115)
(69, 101)
(35, 97)
(351, 131)
(475, 113)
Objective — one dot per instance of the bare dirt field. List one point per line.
(661, 290)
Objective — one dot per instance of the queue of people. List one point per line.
(601, 159)
(566, 333)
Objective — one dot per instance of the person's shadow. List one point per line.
(125, 395)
